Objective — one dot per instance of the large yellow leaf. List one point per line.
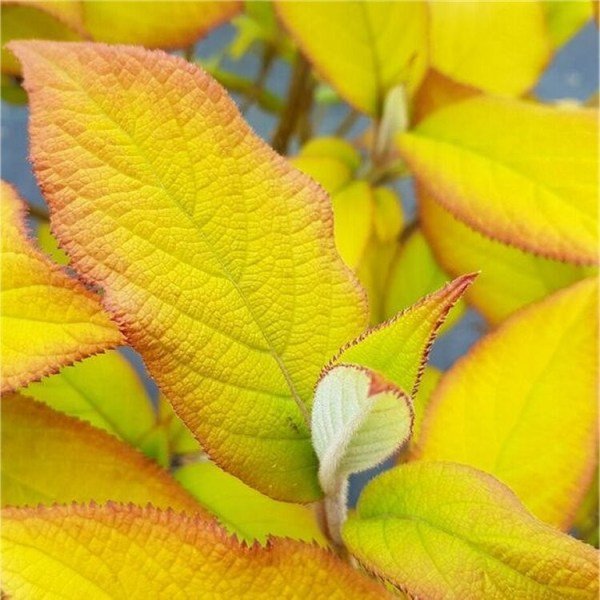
(522, 404)
(215, 254)
(362, 48)
(244, 511)
(565, 17)
(139, 553)
(510, 278)
(521, 173)
(500, 47)
(48, 320)
(103, 390)
(171, 24)
(443, 531)
(398, 349)
(49, 457)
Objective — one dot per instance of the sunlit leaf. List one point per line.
(421, 400)
(49, 244)
(398, 348)
(522, 404)
(138, 553)
(388, 218)
(50, 457)
(500, 47)
(48, 319)
(329, 172)
(103, 390)
(244, 511)
(171, 24)
(353, 209)
(565, 17)
(414, 274)
(237, 313)
(521, 173)
(362, 48)
(510, 278)
(358, 420)
(442, 530)
(26, 19)
(332, 147)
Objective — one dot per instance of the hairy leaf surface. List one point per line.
(138, 553)
(216, 255)
(49, 457)
(522, 404)
(521, 173)
(362, 48)
(442, 530)
(48, 320)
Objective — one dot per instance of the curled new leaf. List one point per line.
(442, 530)
(522, 404)
(535, 190)
(49, 457)
(358, 420)
(138, 553)
(48, 319)
(237, 313)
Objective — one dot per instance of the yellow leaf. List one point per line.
(50, 457)
(332, 147)
(329, 172)
(179, 438)
(442, 530)
(216, 255)
(522, 404)
(171, 24)
(245, 512)
(521, 173)
(103, 390)
(414, 274)
(362, 48)
(30, 20)
(565, 17)
(353, 221)
(48, 320)
(421, 400)
(139, 553)
(509, 279)
(388, 218)
(398, 348)
(500, 47)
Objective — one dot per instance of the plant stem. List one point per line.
(189, 52)
(39, 212)
(266, 62)
(332, 513)
(347, 123)
(299, 98)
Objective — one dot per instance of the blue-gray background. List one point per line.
(573, 74)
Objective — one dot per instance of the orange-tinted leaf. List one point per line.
(171, 24)
(138, 553)
(215, 254)
(49, 457)
(48, 319)
(510, 278)
(521, 173)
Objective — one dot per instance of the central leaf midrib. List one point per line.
(283, 369)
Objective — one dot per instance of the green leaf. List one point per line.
(245, 512)
(398, 348)
(443, 530)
